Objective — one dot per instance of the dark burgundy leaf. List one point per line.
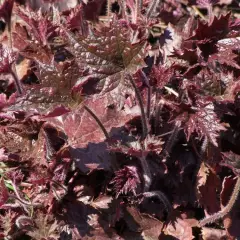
(190, 55)
(93, 156)
(86, 221)
(217, 29)
(56, 82)
(106, 57)
(160, 76)
(232, 161)
(72, 162)
(20, 37)
(92, 9)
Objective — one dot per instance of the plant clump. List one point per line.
(119, 119)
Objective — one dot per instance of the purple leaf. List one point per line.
(160, 76)
(94, 156)
(56, 82)
(75, 20)
(106, 57)
(217, 29)
(231, 160)
(85, 221)
(92, 9)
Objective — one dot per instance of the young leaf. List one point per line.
(126, 180)
(203, 120)
(41, 28)
(7, 57)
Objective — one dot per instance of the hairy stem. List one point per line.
(161, 196)
(147, 176)
(140, 4)
(13, 67)
(124, 9)
(152, 7)
(21, 218)
(146, 81)
(172, 138)
(221, 214)
(11, 205)
(210, 13)
(109, 12)
(204, 145)
(25, 203)
(18, 197)
(140, 102)
(157, 116)
(60, 185)
(94, 116)
(149, 101)
(136, 13)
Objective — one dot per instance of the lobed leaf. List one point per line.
(107, 56)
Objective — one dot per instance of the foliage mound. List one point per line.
(119, 119)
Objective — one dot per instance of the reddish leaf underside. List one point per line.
(207, 185)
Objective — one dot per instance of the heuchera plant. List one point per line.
(119, 119)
